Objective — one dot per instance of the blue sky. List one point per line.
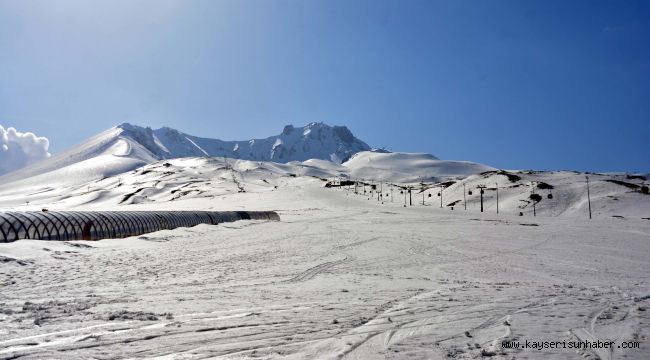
(513, 84)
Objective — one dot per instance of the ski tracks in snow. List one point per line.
(314, 271)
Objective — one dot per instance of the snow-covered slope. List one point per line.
(106, 154)
(166, 182)
(341, 276)
(546, 193)
(313, 141)
(408, 167)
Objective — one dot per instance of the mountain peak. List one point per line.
(288, 129)
(317, 140)
(125, 126)
(312, 125)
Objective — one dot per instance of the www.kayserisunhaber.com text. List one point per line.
(541, 345)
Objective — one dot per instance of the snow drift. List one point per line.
(408, 167)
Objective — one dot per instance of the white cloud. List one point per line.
(18, 149)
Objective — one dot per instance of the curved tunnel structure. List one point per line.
(96, 225)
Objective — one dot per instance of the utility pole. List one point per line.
(497, 184)
(441, 188)
(588, 196)
(480, 188)
(534, 203)
(464, 197)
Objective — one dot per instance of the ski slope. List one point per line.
(340, 277)
(167, 181)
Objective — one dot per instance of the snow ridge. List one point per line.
(313, 141)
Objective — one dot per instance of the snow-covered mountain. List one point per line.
(313, 141)
(130, 165)
(327, 150)
(126, 147)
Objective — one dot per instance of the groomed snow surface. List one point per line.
(341, 276)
